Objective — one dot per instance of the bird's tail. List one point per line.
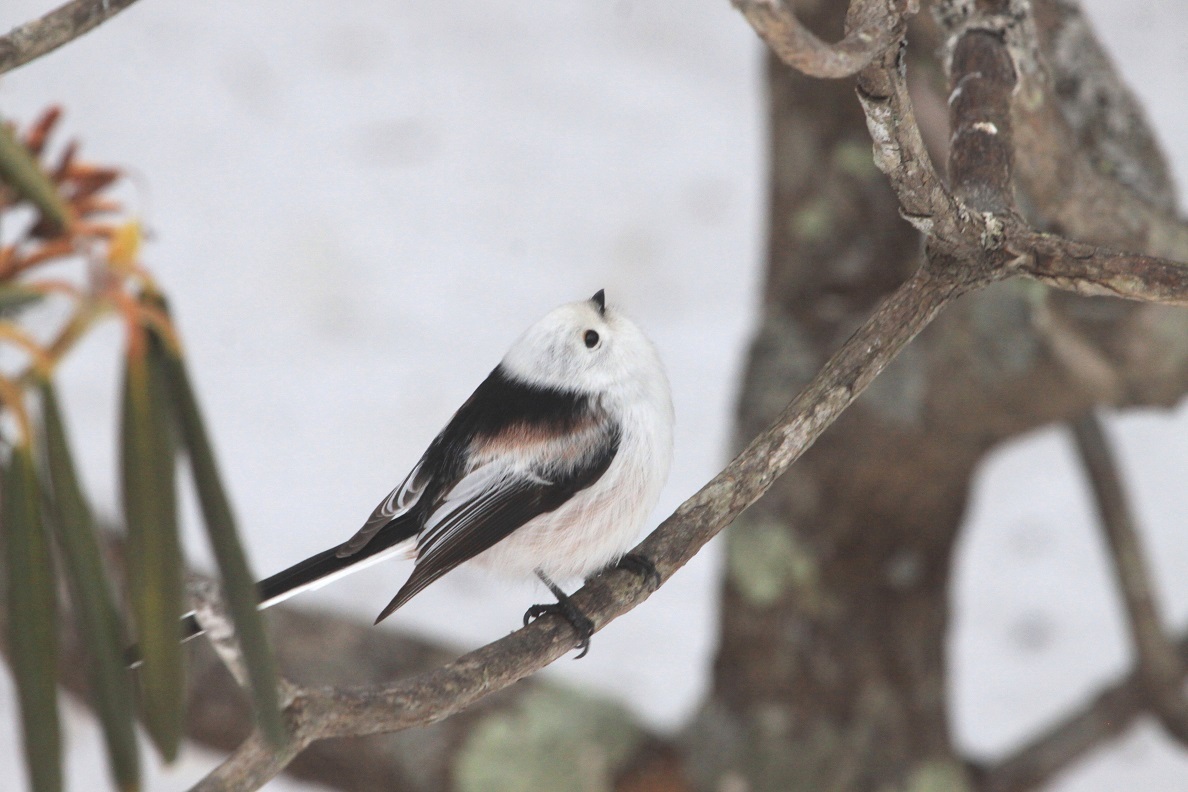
(314, 572)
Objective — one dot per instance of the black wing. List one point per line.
(501, 404)
(496, 499)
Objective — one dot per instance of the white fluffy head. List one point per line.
(586, 346)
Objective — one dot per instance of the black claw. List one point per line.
(642, 566)
(568, 611)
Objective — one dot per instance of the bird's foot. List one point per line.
(565, 608)
(642, 566)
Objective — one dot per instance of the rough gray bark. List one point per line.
(831, 669)
(60, 26)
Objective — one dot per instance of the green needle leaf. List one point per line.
(239, 585)
(16, 296)
(20, 171)
(154, 554)
(32, 635)
(95, 611)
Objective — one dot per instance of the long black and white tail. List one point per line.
(312, 573)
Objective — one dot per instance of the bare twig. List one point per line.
(975, 225)
(320, 713)
(1159, 668)
(968, 247)
(1104, 717)
(874, 26)
(64, 24)
(970, 250)
(1091, 270)
(1155, 685)
(899, 150)
(978, 217)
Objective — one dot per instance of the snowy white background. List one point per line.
(357, 206)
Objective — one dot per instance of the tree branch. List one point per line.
(970, 234)
(315, 714)
(1091, 270)
(323, 648)
(875, 26)
(1159, 669)
(975, 226)
(968, 247)
(1106, 716)
(981, 154)
(899, 150)
(978, 217)
(60, 26)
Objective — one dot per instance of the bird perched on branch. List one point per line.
(549, 468)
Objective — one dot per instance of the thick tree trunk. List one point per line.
(831, 667)
(830, 673)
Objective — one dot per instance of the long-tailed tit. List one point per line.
(549, 468)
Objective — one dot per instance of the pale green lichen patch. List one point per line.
(551, 739)
(854, 158)
(813, 221)
(807, 763)
(764, 560)
(937, 775)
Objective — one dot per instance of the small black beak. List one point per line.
(599, 299)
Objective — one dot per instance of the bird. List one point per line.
(549, 469)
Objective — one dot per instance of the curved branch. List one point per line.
(876, 26)
(979, 221)
(1156, 683)
(899, 150)
(1158, 664)
(60, 26)
(315, 714)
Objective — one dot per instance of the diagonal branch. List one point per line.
(972, 224)
(1106, 716)
(1159, 669)
(315, 714)
(60, 26)
(1156, 683)
(876, 26)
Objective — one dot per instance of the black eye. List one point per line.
(591, 339)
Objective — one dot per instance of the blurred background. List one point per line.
(356, 207)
